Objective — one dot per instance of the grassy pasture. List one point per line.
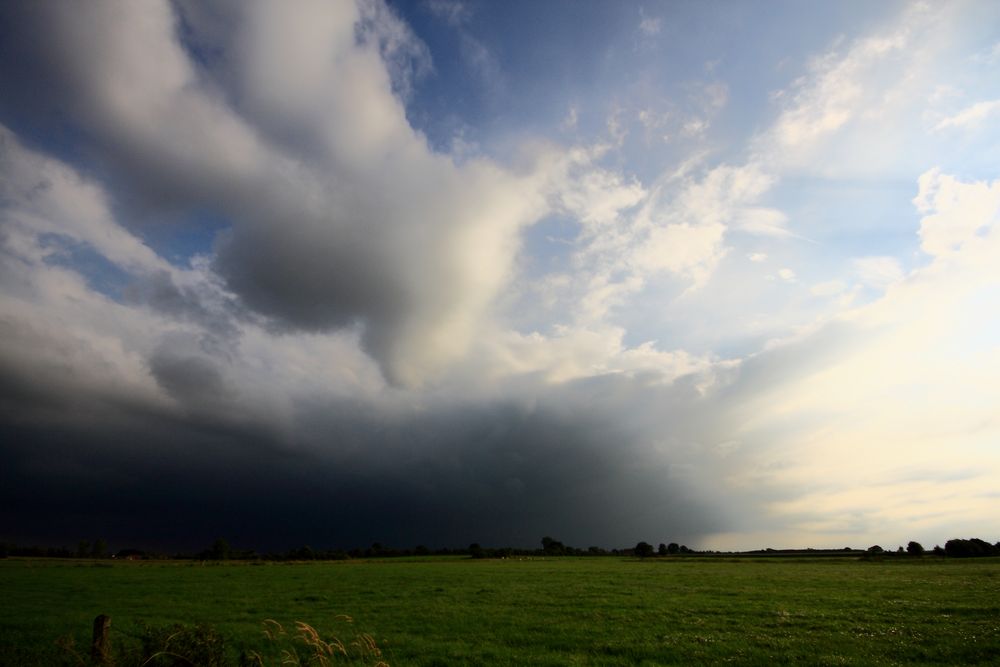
(586, 611)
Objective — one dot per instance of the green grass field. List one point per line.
(594, 611)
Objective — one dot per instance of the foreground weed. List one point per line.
(180, 645)
(168, 646)
(307, 647)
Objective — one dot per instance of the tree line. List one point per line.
(220, 550)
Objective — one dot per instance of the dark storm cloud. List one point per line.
(497, 475)
(188, 378)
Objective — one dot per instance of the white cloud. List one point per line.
(570, 121)
(42, 196)
(856, 412)
(787, 275)
(828, 288)
(594, 196)
(762, 221)
(694, 127)
(649, 25)
(454, 12)
(957, 214)
(878, 272)
(850, 92)
(691, 250)
(990, 56)
(689, 118)
(572, 353)
(757, 257)
(405, 56)
(476, 56)
(970, 117)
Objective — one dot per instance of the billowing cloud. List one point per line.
(339, 211)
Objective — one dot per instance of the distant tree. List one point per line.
(83, 549)
(476, 551)
(553, 547)
(915, 548)
(100, 549)
(685, 550)
(900, 549)
(304, 552)
(643, 550)
(875, 549)
(673, 548)
(938, 550)
(972, 548)
(421, 550)
(661, 550)
(219, 550)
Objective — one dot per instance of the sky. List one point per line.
(337, 272)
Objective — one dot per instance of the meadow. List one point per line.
(542, 611)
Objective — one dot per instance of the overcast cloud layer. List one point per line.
(438, 272)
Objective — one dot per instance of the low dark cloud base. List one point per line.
(494, 476)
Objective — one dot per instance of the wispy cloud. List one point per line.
(970, 117)
(649, 25)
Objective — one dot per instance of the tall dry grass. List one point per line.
(305, 646)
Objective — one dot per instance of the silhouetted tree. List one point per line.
(100, 549)
(553, 547)
(304, 552)
(83, 549)
(875, 549)
(662, 550)
(219, 550)
(972, 548)
(644, 550)
(673, 548)
(915, 548)
(476, 551)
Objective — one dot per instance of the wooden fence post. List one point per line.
(100, 647)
